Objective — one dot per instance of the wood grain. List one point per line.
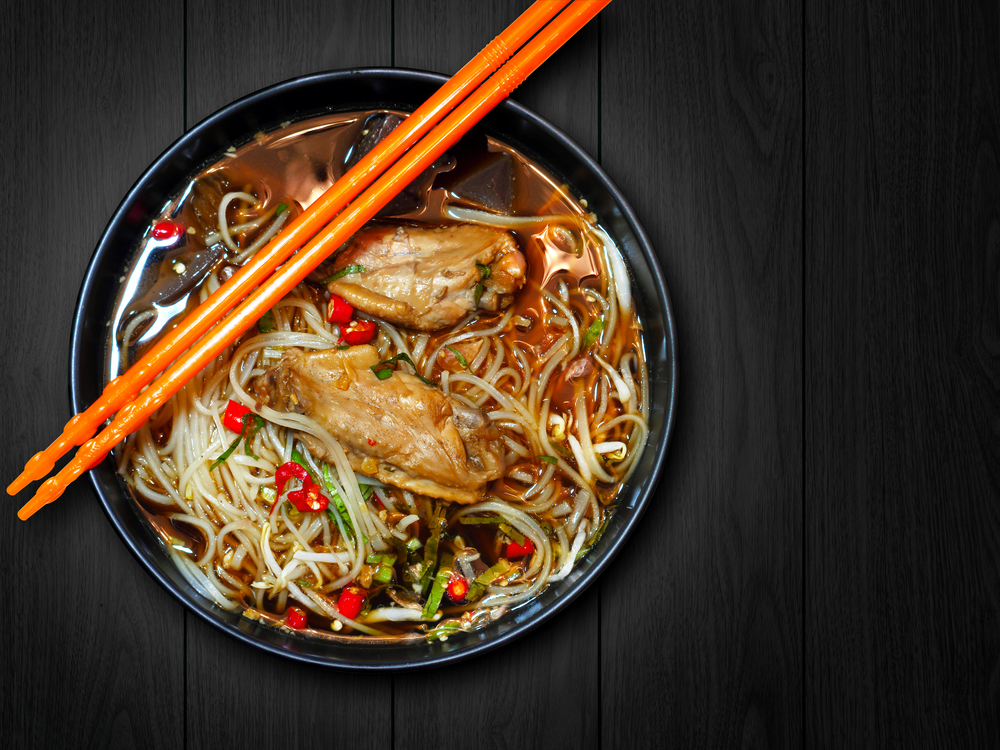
(701, 618)
(542, 690)
(903, 250)
(265, 43)
(92, 648)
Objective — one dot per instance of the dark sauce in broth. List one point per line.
(295, 165)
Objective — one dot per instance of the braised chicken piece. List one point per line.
(399, 430)
(429, 278)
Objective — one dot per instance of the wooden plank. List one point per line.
(93, 648)
(542, 690)
(902, 612)
(237, 696)
(700, 615)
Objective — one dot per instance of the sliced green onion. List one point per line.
(443, 630)
(413, 544)
(593, 333)
(478, 587)
(266, 323)
(281, 208)
(343, 346)
(475, 520)
(437, 525)
(268, 494)
(383, 574)
(484, 271)
(549, 459)
(479, 294)
(437, 590)
(353, 268)
(337, 502)
(513, 533)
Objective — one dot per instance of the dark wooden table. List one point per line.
(821, 563)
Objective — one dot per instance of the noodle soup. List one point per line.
(276, 500)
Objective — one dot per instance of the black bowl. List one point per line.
(367, 89)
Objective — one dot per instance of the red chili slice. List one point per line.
(338, 310)
(457, 588)
(350, 602)
(290, 470)
(233, 418)
(515, 550)
(295, 619)
(358, 332)
(167, 230)
(308, 499)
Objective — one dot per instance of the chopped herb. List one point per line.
(383, 369)
(298, 458)
(338, 504)
(304, 584)
(281, 207)
(479, 294)
(383, 574)
(549, 459)
(513, 533)
(484, 271)
(252, 424)
(478, 587)
(458, 355)
(443, 630)
(266, 323)
(353, 268)
(475, 520)
(437, 525)
(343, 346)
(257, 424)
(593, 333)
(562, 451)
(437, 590)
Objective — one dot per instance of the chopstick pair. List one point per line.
(411, 163)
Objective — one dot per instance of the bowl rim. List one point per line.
(578, 586)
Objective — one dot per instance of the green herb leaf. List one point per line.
(550, 459)
(593, 333)
(382, 370)
(248, 419)
(266, 323)
(353, 268)
(458, 355)
(304, 584)
(479, 294)
(484, 271)
(256, 425)
(298, 458)
(343, 346)
(513, 533)
(281, 207)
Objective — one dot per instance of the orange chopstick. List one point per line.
(124, 388)
(446, 134)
